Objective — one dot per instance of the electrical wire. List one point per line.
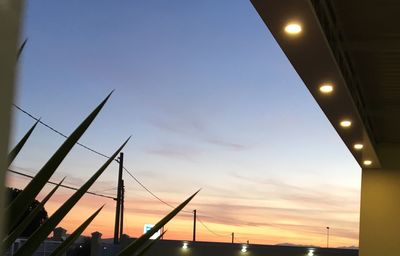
(213, 232)
(103, 190)
(58, 132)
(145, 188)
(64, 186)
(94, 151)
(149, 191)
(105, 156)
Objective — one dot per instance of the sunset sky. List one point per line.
(211, 102)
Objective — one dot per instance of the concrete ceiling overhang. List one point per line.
(364, 70)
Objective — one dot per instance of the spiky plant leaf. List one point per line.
(26, 197)
(135, 245)
(17, 231)
(149, 245)
(43, 231)
(14, 152)
(21, 48)
(60, 250)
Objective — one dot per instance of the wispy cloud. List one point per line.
(181, 152)
(321, 196)
(179, 126)
(196, 129)
(297, 220)
(226, 144)
(306, 221)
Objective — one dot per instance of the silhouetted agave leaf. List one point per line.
(135, 245)
(26, 197)
(17, 231)
(21, 48)
(43, 231)
(14, 152)
(149, 245)
(60, 250)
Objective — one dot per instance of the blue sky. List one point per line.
(209, 97)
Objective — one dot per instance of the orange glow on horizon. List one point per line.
(138, 213)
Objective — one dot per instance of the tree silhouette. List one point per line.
(42, 216)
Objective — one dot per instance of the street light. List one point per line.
(327, 237)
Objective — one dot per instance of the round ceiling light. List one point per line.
(345, 123)
(367, 162)
(293, 28)
(326, 88)
(358, 146)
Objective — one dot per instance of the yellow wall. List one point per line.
(380, 212)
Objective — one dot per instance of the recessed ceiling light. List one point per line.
(367, 162)
(326, 88)
(345, 123)
(358, 146)
(293, 28)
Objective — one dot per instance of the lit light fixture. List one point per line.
(367, 162)
(358, 146)
(326, 88)
(293, 28)
(185, 245)
(244, 248)
(310, 252)
(345, 123)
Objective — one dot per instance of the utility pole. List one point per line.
(233, 237)
(118, 206)
(327, 237)
(121, 227)
(194, 225)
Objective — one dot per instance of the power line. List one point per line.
(213, 232)
(58, 132)
(107, 189)
(149, 191)
(105, 156)
(110, 197)
(96, 152)
(64, 186)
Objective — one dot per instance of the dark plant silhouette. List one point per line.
(24, 200)
(80, 249)
(40, 218)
